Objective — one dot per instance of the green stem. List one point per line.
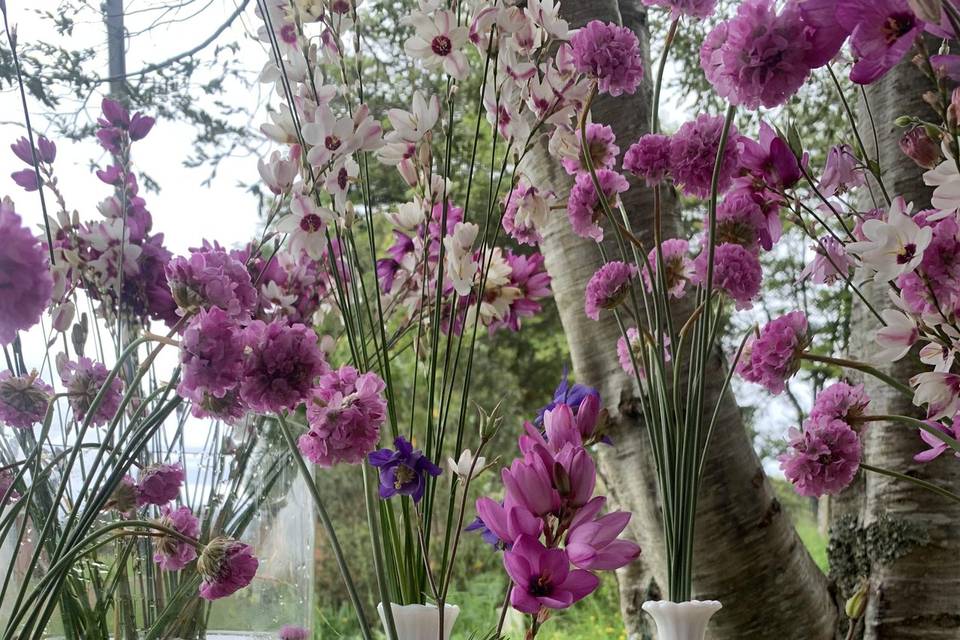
(929, 486)
(953, 443)
(859, 366)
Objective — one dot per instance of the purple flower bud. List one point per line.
(21, 149)
(115, 113)
(140, 126)
(920, 147)
(110, 175)
(47, 148)
(26, 179)
(159, 484)
(109, 138)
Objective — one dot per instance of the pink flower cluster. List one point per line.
(25, 281)
(608, 287)
(23, 399)
(610, 54)
(549, 521)
(772, 356)
(84, 380)
(823, 457)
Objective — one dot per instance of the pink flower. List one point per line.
(677, 266)
(824, 457)
(293, 632)
(25, 281)
(881, 33)
(896, 337)
(530, 278)
(693, 8)
(842, 172)
(742, 220)
(649, 158)
(171, 553)
(608, 287)
(584, 208)
(935, 285)
(230, 408)
(83, 379)
(159, 484)
(770, 159)
(602, 146)
(917, 145)
(542, 577)
(841, 401)
(575, 475)
(211, 352)
(526, 212)
(345, 413)
(757, 57)
(830, 263)
(825, 33)
(225, 566)
(773, 356)
(210, 277)
(693, 152)
(935, 444)
(23, 399)
(736, 272)
(628, 352)
(438, 41)
(508, 521)
(281, 366)
(610, 54)
(592, 542)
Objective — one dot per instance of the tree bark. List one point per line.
(916, 595)
(748, 554)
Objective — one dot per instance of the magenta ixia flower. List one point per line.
(936, 446)
(293, 632)
(736, 272)
(842, 171)
(693, 8)
(610, 54)
(584, 207)
(758, 57)
(593, 543)
(46, 150)
(172, 553)
(677, 266)
(693, 152)
(608, 287)
(830, 263)
(823, 458)
(841, 401)
(345, 413)
(529, 483)
(83, 379)
(159, 484)
(529, 277)
(649, 158)
(25, 281)
(826, 35)
(211, 277)
(281, 365)
(773, 356)
(542, 577)
(225, 566)
(23, 399)
(602, 147)
(403, 471)
(211, 352)
(881, 33)
(770, 159)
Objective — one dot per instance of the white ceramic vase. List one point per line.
(681, 620)
(421, 621)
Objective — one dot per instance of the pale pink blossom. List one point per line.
(438, 42)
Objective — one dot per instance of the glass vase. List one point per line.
(681, 620)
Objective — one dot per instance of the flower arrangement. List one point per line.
(291, 339)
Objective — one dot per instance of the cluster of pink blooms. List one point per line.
(549, 523)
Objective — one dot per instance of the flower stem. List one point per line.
(929, 486)
(953, 443)
(859, 366)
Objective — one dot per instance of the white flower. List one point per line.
(461, 467)
(461, 265)
(282, 129)
(306, 224)
(946, 179)
(411, 126)
(343, 173)
(938, 356)
(278, 173)
(437, 42)
(894, 246)
(408, 216)
(330, 136)
(896, 338)
(546, 13)
(939, 391)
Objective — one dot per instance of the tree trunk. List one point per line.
(748, 554)
(915, 595)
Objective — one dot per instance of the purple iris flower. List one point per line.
(486, 534)
(403, 471)
(570, 395)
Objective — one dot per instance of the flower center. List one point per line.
(332, 142)
(540, 586)
(441, 45)
(907, 254)
(403, 476)
(342, 178)
(897, 26)
(311, 223)
(288, 33)
(340, 6)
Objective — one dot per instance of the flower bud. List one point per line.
(63, 315)
(857, 603)
(124, 496)
(919, 147)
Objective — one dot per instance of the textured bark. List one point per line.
(748, 554)
(915, 596)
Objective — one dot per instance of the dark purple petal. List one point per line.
(115, 113)
(26, 178)
(48, 150)
(140, 126)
